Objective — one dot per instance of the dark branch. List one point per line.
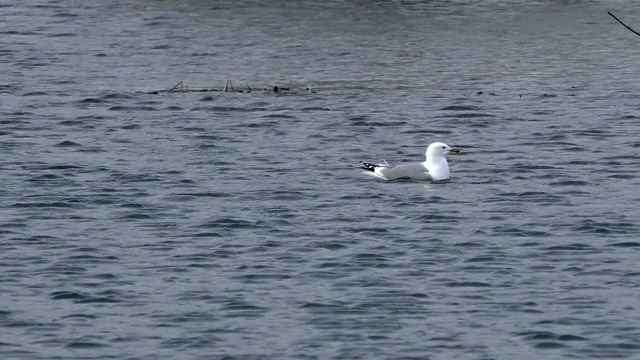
(177, 85)
(623, 24)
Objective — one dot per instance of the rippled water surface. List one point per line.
(237, 225)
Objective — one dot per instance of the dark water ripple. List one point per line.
(237, 225)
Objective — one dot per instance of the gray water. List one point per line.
(209, 225)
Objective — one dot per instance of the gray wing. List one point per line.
(413, 171)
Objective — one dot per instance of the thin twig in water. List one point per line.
(228, 86)
(623, 24)
(177, 85)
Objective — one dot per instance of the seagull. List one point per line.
(434, 168)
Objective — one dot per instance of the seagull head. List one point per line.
(439, 149)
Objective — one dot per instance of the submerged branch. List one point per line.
(623, 24)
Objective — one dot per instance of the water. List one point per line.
(237, 226)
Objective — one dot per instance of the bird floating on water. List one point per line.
(434, 168)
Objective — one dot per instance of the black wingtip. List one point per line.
(368, 166)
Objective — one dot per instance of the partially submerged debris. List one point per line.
(228, 87)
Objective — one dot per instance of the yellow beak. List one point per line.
(455, 150)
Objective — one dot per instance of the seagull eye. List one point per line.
(444, 147)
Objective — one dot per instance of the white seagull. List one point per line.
(434, 168)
